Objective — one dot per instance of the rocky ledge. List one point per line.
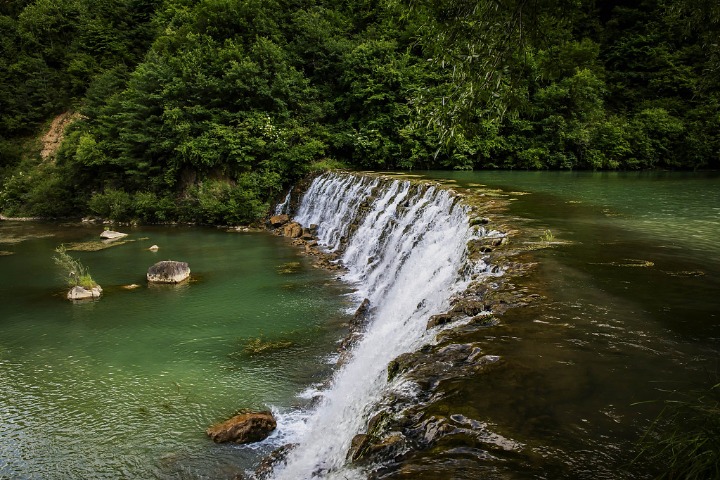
(402, 424)
(305, 237)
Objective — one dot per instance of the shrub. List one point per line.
(112, 204)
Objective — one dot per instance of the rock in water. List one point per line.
(111, 235)
(80, 293)
(168, 271)
(244, 428)
(154, 248)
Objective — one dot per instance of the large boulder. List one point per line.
(244, 428)
(80, 293)
(111, 235)
(168, 271)
(293, 230)
(279, 220)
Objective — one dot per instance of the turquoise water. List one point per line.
(125, 387)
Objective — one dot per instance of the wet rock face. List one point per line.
(168, 271)
(244, 428)
(293, 230)
(355, 333)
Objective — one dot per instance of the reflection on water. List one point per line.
(124, 387)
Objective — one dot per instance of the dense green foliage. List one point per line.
(207, 110)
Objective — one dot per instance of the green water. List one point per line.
(124, 387)
(630, 315)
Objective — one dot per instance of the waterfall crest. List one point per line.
(404, 246)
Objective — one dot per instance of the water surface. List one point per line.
(630, 318)
(124, 387)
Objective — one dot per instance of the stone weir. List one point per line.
(424, 260)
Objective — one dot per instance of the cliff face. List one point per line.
(53, 138)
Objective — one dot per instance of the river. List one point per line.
(125, 386)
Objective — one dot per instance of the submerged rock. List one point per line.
(154, 248)
(112, 235)
(80, 293)
(244, 428)
(168, 271)
(275, 458)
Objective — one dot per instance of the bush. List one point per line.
(112, 204)
(221, 202)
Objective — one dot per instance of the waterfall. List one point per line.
(404, 246)
(283, 207)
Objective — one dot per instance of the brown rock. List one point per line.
(279, 220)
(244, 428)
(292, 230)
(358, 447)
(440, 319)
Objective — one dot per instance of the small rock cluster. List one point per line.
(305, 237)
(167, 271)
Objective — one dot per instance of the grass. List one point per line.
(327, 164)
(547, 237)
(684, 441)
(73, 272)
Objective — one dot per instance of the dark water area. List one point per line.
(631, 286)
(124, 387)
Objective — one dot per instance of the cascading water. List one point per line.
(404, 246)
(283, 207)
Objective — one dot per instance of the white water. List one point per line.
(405, 257)
(283, 207)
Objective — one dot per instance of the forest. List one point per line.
(207, 111)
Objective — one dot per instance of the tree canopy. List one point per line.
(207, 110)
